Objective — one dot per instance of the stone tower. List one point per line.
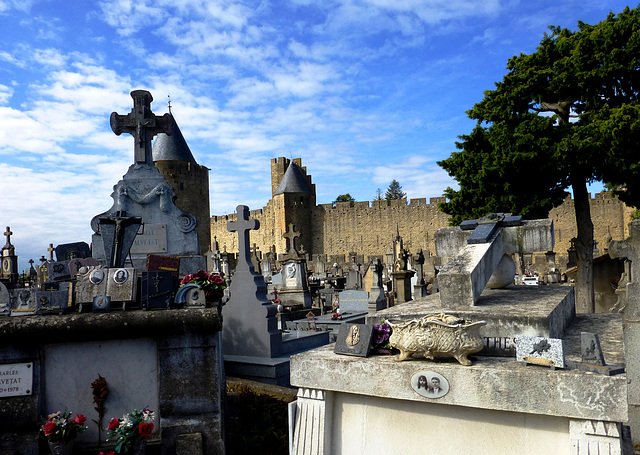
(294, 198)
(189, 180)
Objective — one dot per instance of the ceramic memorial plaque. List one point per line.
(354, 339)
(122, 284)
(22, 302)
(429, 384)
(91, 282)
(102, 304)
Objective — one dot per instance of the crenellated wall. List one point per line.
(367, 228)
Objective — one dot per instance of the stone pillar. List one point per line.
(310, 422)
(590, 437)
(402, 284)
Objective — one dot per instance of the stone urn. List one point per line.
(437, 335)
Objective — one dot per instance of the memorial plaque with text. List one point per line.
(16, 379)
(151, 238)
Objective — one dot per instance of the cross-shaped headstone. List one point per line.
(242, 226)
(291, 238)
(142, 124)
(51, 249)
(42, 259)
(465, 276)
(7, 234)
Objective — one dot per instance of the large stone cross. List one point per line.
(291, 236)
(242, 226)
(142, 124)
(51, 249)
(7, 234)
(465, 276)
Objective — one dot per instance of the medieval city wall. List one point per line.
(367, 228)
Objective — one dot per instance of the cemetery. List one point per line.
(139, 334)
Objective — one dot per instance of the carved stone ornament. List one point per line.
(437, 335)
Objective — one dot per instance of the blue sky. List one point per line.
(364, 91)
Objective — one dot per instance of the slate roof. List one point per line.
(172, 148)
(293, 181)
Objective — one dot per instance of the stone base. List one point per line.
(274, 370)
(515, 310)
(293, 298)
(495, 406)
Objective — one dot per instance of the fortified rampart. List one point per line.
(367, 228)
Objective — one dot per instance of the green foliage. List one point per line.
(394, 191)
(563, 116)
(345, 198)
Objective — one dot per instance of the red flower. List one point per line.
(145, 430)
(49, 428)
(186, 279)
(115, 423)
(80, 419)
(216, 279)
(108, 453)
(200, 275)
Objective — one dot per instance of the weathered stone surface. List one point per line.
(124, 324)
(492, 383)
(516, 310)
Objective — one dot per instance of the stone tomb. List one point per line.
(254, 347)
(497, 405)
(169, 361)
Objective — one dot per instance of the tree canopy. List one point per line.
(562, 117)
(394, 191)
(345, 198)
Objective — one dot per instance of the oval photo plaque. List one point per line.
(429, 384)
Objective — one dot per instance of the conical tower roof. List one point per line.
(172, 148)
(293, 181)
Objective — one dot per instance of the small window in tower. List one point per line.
(181, 186)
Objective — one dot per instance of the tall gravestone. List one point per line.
(145, 194)
(250, 322)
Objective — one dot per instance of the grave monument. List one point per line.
(144, 219)
(254, 348)
(497, 405)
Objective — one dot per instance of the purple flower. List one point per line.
(381, 333)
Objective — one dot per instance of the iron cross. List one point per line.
(142, 124)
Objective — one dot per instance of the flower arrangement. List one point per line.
(212, 283)
(60, 427)
(132, 427)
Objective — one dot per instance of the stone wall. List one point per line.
(367, 228)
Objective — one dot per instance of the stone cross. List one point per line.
(242, 226)
(464, 277)
(42, 259)
(291, 237)
(7, 234)
(142, 124)
(51, 249)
